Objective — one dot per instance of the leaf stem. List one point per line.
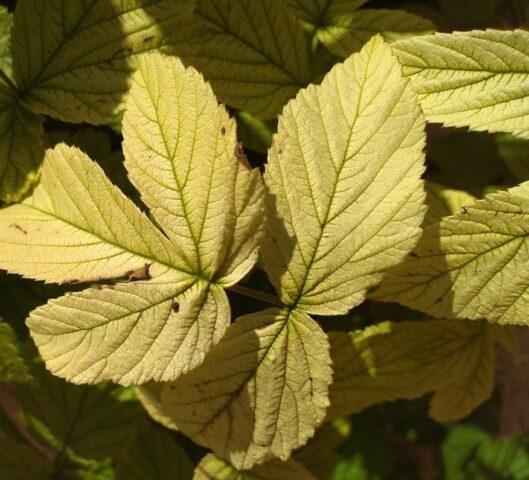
(256, 294)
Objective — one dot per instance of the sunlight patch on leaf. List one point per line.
(73, 60)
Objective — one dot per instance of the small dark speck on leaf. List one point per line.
(223, 130)
(19, 228)
(148, 39)
(413, 254)
(176, 307)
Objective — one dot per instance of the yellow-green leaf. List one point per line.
(73, 60)
(344, 172)
(212, 467)
(443, 201)
(478, 79)
(319, 12)
(181, 152)
(130, 333)
(261, 391)
(252, 51)
(77, 227)
(470, 265)
(21, 148)
(347, 34)
(405, 360)
(150, 397)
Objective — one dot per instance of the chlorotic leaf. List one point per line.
(344, 176)
(443, 202)
(77, 227)
(13, 368)
(319, 12)
(470, 265)
(93, 422)
(478, 79)
(6, 22)
(212, 467)
(150, 395)
(205, 199)
(130, 333)
(21, 148)
(21, 462)
(347, 34)
(73, 60)
(260, 393)
(252, 51)
(154, 451)
(405, 360)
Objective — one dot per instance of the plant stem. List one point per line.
(262, 296)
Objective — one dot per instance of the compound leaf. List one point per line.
(478, 79)
(153, 451)
(320, 12)
(470, 265)
(21, 148)
(252, 51)
(130, 333)
(77, 227)
(202, 195)
(260, 393)
(347, 34)
(344, 175)
(73, 60)
(405, 360)
(212, 467)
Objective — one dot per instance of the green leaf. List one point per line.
(443, 202)
(515, 153)
(405, 360)
(470, 265)
(6, 22)
(154, 455)
(478, 79)
(13, 368)
(253, 53)
(468, 14)
(212, 467)
(347, 34)
(203, 196)
(150, 396)
(260, 393)
(319, 12)
(92, 422)
(21, 462)
(344, 175)
(21, 149)
(255, 134)
(73, 61)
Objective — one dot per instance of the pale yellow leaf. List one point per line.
(181, 152)
(130, 333)
(443, 201)
(470, 265)
(344, 175)
(260, 392)
(478, 79)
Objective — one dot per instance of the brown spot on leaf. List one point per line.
(140, 274)
(223, 131)
(176, 307)
(148, 39)
(241, 156)
(19, 228)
